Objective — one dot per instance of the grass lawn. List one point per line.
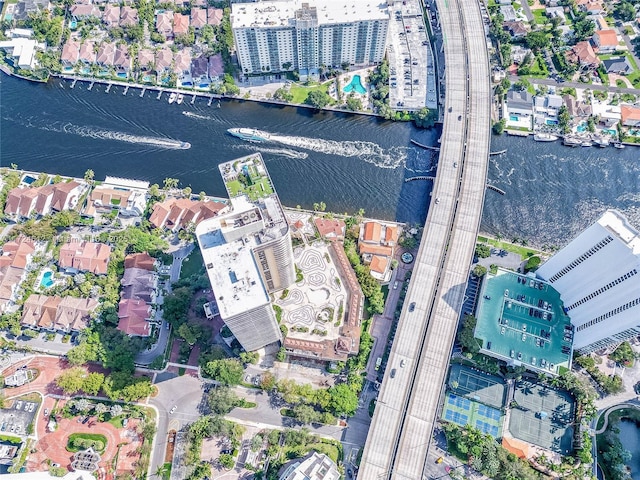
(116, 421)
(192, 265)
(539, 16)
(95, 440)
(261, 188)
(524, 252)
(300, 92)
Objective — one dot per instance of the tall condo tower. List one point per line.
(247, 253)
(597, 277)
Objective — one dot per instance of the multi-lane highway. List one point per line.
(402, 426)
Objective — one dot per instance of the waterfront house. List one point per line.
(122, 60)
(104, 199)
(608, 115)
(330, 229)
(376, 245)
(128, 16)
(182, 67)
(175, 214)
(146, 59)
(200, 71)
(16, 256)
(22, 51)
(134, 316)
(546, 109)
(24, 202)
(606, 41)
(216, 68)
(583, 55)
(180, 24)
(83, 11)
(630, 116)
(214, 16)
(198, 18)
(81, 256)
(618, 65)
(66, 315)
(111, 15)
(578, 110)
(70, 53)
(164, 23)
(87, 53)
(106, 54)
(66, 195)
(519, 109)
(164, 59)
(23, 8)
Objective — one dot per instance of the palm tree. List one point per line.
(88, 176)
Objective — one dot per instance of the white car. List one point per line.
(173, 409)
(19, 405)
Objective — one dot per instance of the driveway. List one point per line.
(52, 347)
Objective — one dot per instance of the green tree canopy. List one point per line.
(222, 400)
(344, 401)
(227, 371)
(318, 99)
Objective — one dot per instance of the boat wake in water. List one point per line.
(280, 152)
(368, 151)
(100, 134)
(195, 115)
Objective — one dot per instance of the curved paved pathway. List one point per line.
(613, 409)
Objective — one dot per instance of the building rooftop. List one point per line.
(619, 226)
(246, 176)
(521, 320)
(284, 13)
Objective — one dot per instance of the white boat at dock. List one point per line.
(172, 97)
(618, 145)
(545, 137)
(180, 98)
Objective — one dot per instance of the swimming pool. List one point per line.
(513, 118)
(356, 85)
(47, 279)
(581, 128)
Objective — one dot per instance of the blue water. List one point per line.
(513, 118)
(552, 122)
(47, 279)
(28, 179)
(356, 85)
(630, 436)
(581, 128)
(122, 75)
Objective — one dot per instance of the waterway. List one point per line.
(347, 161)
(630, 436)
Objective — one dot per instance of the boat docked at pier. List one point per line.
(545, 137)
(179, 98)
(601, 142)
(250, 134)
(619, 145)
(571, 141)
(173, 97)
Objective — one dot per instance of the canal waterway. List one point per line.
(630, 437)
(347, 161)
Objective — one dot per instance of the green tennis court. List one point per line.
(475, 385)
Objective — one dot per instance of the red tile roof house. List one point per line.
(87, 52)
(66, 314)
(146, 59)
(106, 53)
(122, 60)
(216, 67)
(141, 260)
(128, 16)
(164, 59)
(606, 41)
(630, 116)
(164, 24)
(180, 24)
(82, 11)
(330, 229)
(175, 214)
(111, 15)
(376, 245)
(182, 63)
(85, 257)
(198, 18)
(214, 16)
(16, 255)
(70, 53)
(583, 55)
(24, 202)
(134, 315)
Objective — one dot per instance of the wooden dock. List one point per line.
(495, 189)
(499, 152)
(427, 147)
(419, 177)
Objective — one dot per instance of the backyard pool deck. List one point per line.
(521, 319)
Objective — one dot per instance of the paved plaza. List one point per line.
(313, 309)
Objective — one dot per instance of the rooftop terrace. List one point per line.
(247, 176)
(521, 320)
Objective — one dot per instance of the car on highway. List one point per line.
(393, 372)
(173, 409)
(403, 362)
(412, 306)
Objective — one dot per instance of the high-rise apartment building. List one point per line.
(273, 36)
(247, 253)
(597, 277)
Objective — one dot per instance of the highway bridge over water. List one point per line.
(403, 422)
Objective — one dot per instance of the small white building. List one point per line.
(519, 109)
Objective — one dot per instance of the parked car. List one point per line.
(173, 409)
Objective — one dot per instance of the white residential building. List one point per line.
(247, 253)
(22, 51)
(597, 277)
(273, 36)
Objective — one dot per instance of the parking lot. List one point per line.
(18, 417)
(411, 68)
